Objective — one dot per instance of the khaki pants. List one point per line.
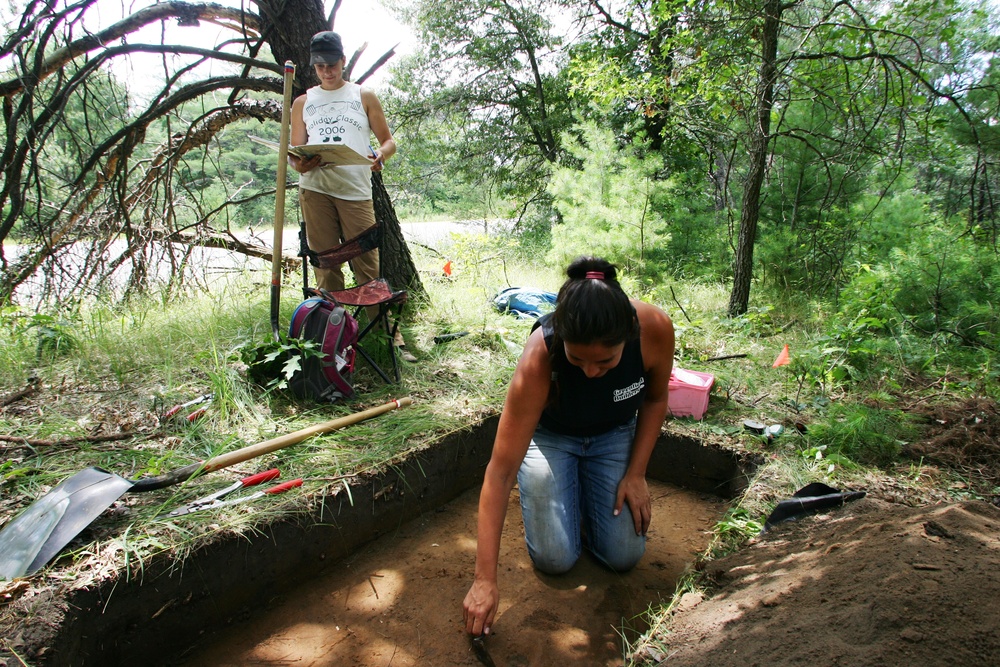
(331, 221)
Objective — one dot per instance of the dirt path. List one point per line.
(398, 601)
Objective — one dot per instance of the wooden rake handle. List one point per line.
(261, 448)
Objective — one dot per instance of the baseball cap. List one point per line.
(325, 47)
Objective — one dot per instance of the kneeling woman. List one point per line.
(583, 412)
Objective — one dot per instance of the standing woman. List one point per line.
(336, 202)
(583, 412)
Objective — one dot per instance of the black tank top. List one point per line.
(581, 406)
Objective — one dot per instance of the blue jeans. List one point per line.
(566, 482)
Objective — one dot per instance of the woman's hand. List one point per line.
(480, 607)
(634, 491)
(302, 166)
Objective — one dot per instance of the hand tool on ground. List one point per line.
(444, 338)
(218, 503)
(479, 648)
(203, 503)
(204, 398)
(197, 414)
(807, 500)
(41, 531)
(274, 490)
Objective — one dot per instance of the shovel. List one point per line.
(279, 198)
(41, 531)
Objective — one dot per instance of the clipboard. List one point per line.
(334, 155)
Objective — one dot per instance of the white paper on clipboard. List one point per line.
(335, 155)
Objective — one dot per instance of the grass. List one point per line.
(117, 369)
(126, 366)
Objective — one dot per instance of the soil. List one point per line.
(963, 437)
(398, 601)
(870, 584)
(875, 582)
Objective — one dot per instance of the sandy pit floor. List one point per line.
(398, 600)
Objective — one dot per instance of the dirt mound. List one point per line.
(872, 583)
(963, 436)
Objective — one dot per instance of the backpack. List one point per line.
(335, 331)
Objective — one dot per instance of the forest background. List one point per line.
(806, 146)
(817, 171)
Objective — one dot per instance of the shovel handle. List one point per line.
(279, 197)
(261, 448)
(268, 446)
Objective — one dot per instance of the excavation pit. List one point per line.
(380, 580)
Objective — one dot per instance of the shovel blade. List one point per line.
(37, 534)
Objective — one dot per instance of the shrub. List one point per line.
(862, 433)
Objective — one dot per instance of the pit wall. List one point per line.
(153, 618)
(691, 464)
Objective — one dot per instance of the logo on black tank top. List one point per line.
(630, 391)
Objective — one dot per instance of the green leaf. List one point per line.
(292, 366)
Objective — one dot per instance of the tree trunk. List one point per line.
(287, 27)
(760, 139)
(396, 262)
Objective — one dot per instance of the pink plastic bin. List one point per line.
(688, 395)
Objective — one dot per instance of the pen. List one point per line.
(374, 154)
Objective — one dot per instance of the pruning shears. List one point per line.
(215, 500)
(204, 398)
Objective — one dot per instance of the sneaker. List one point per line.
(405, 354)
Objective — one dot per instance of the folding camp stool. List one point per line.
(372, 293)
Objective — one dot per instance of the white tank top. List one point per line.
(338, 117)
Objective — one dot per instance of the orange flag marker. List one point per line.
(447, 268)
(782, 359)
